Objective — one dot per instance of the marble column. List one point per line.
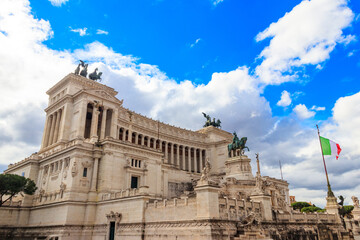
(124, 135)
(114, 122)
(57, 126)
(183, 158)
(148, 141)
(52, 129)
(136, 138)
(82, 119)
(189, 159)
(94, 124)
(201, 160)
(178, 156)
(195, 160)
(166, 152)
(155, 141)
(47, 131)
(95, 174)
(103, 123)
(172, 154)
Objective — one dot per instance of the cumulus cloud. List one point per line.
(304, 36)
(81, 31)
(99, 31)
(58, 3)
(285, 99)
(303, 112)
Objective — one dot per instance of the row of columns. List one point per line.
(189, 158)
(52, 129)
(94, 127)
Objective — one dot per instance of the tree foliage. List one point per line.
(12, 184)
(299, 205)
(312, 209)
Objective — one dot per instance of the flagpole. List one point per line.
(330, 192)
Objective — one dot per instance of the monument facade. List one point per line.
(106, 172)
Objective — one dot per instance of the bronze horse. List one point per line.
(237, 144)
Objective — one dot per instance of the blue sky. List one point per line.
(269, 70)
(193, 39)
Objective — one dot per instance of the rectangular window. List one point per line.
(134, 182)
(85, 172)
(112, 231)
(23, 174)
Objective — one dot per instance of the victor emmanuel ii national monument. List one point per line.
(106, 172)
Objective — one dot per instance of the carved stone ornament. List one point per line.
(86, 164)
(74, 170)
(355, 201)
(113, 216)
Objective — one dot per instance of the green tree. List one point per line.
(312, 209)
(299, 205)
(12, 184)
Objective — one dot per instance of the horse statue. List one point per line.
(95, 76)
(77, 70)
(84, 71)
(237, 144)
(211, 123)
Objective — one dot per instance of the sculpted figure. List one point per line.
(211, 123)
(238, 144)
(95, 76)
(206, 171)
(355, 201)
(84, 71)
(77, 70)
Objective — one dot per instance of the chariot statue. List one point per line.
(214, 122)
(95, 76)
(238, 144)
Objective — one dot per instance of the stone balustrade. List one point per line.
(306, 217)
(233, 209)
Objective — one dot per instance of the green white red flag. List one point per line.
(329, 147)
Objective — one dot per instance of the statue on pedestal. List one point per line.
(238, 144)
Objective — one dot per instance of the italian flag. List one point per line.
(329, 147)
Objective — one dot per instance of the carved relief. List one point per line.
(62, 189)
(74, 170)
(86, 164)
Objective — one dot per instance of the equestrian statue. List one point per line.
(238, 144)
(211, 123)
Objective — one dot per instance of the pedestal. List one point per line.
(207, 200)
(239, 167)
(266, 205)
(332, 205)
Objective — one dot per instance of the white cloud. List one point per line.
(285, 99)
(304, 36)
(58, 3)
(316, 108)
(81, 31)
(99, 31)
(303, 112)
(195, 43)
(216, 2)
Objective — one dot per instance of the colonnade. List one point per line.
(52, 130)
(98, 121)
(186, 158)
